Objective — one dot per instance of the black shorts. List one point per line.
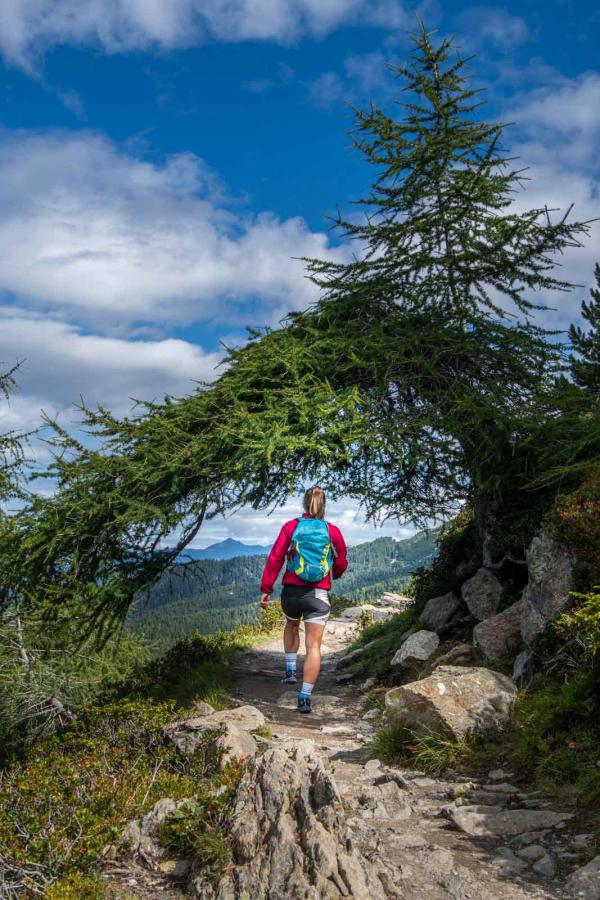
(308, 603)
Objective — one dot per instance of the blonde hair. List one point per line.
(314, 503)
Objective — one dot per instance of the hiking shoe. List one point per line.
(303, 703)
(289, 677)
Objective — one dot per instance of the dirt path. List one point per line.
(396, 815)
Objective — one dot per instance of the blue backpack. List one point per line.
(311, 552)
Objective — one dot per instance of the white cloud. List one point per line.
(60, 364)
(493, 26)
(256, 527)
(29, 27)
(566, 116)
(110, 239)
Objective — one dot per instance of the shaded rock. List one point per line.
(369, 683)
(546, 866)
(416, 648)
(523, 667)
(140, 835)
(547, 592)
(532, 852)
(459, 655)
(352, 656)
(355, 612)
(439, 611)
(453, 699)
(499, 635)
(289, 837)
(466, 567)
(584, 883)
(482, 593)
(489, 821)
(231, 729)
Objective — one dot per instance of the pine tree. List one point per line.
(586, 366)
(440, 231)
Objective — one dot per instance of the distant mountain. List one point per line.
(227, 549)
(215, 593)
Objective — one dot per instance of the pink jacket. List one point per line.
(278, 554)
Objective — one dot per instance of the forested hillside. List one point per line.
(216, 595)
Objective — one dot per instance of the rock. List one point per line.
(453, 699)
(482, 593)
(382, 615)
(547, 593)
(369, 683)
(500, 635)
(459, 655)
(355, 612)
(289, 837)
(439, 611)
(247, 718)
(546, 867)
(140, 834)
(416, 648)
(372, 714)
(231, 729)
(489, 821)
(466, 568)
(523, 666)
(584, 883)
(344, 677)
(532, 852)
(397, 600)
(498, 775)
(200, 708)
(352, 656)
(177, 869)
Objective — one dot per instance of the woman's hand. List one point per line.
(264, 600)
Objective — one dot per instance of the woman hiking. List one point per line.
(315, 550)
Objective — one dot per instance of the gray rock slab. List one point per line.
(439, 611)
(419, 647)
(500, 635)
(584, 883)
(488, 821)
(482, 593)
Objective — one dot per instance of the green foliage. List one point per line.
(197, 830)
(74, 793)
(457, 542)
(586, 365)
(433, 753)
(575, 521)
(580, 628)
(384, 639)
(77, 887)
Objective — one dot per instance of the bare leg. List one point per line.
(291, 636)
(312, 663)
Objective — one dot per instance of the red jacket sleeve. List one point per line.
(277, 557)
(340, 562)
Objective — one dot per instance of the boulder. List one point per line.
(499, 635)
(584, 883)
(383, 613)
(523, 667)
(482, 593)
(439, 611)
(489, 821)
(140, 835)
(230, 728)
(288, 836)
(416, 648)
(453, 699)
(355, 612)
(547, 593)
(456, 656)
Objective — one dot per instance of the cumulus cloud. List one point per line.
(256, 527)
(29, 27)
(110, 239)
(60, 364)
(493, 26)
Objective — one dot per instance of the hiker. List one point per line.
(315, 550)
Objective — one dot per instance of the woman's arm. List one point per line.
(276, 558)
(340, 561)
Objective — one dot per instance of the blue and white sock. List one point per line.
(290, 661)
(307, 689)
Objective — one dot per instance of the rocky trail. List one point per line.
(316, 817)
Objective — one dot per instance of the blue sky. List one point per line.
(163, 161)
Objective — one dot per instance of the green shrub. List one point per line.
(384, 638)
(72, 797)
(457, 541)
(575, 522)
(77, 886)
(432, 753)
(580, 629)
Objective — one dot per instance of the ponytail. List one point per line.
(314, 503)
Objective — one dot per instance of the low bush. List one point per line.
(72, 797)
(575, 522)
